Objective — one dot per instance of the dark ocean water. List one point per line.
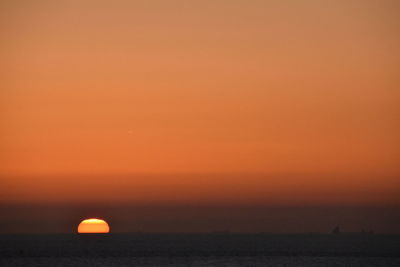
(218, 249)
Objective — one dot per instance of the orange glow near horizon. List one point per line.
(93, 226)
(273, 102)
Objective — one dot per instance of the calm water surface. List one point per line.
(200, 250)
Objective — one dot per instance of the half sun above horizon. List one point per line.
(93, 226)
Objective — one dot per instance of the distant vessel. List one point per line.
(336, 230)
(222, 232)
(370, 232)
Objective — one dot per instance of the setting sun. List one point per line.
(93, 226)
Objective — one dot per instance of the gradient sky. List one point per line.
(202, 102)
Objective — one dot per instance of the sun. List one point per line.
(93, 226)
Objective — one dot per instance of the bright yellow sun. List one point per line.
(93, 226)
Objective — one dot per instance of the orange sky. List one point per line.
(272, 102)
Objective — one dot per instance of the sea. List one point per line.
(206, 249)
